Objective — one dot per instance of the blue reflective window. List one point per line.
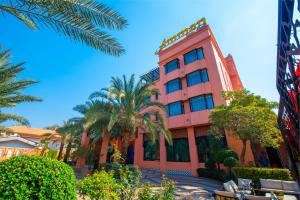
(200, 54)
(148, 99)
(196, 54)
(147, 115)
(171, 66)
(175, 108)
(209, 101)
(190, 57)
(197, 103)
(197, 77)
(204, 75)
(173, 86)
(193, 78)
(202, 102)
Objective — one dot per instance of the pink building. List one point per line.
(192, 73)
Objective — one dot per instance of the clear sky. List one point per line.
(68, 71)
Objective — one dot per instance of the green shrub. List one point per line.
(101, 185)
(36, 177)
(130, 181)
(146, 192)
(135, 173)
(230, 162)
(165, 192)
(52, 153)
(168, 189)
(265, 173)
(231, 153)
(210, 164)
(213, 174)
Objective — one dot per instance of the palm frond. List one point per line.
(5, 117)
(20, 16)
(10, 88)
(76, 19)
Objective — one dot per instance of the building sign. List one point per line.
(182, 33)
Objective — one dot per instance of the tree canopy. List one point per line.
(248, 117)
(131, 109)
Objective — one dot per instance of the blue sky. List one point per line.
(68, 71)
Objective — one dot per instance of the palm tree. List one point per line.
(68, 133)
(10, 89)
(75, 128)
(80, 20)
(96, 116)
(128, 100)
(45, 142)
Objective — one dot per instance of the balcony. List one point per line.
(189, 119)
(152, 75)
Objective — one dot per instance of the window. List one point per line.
(203, 148)
(193, 78)
(148, 99)
(209, 101)
(173, 85)
(202, 102)
(179, 151)
(156, 96)
(151, 150)
(156, 116)
(204, 76)
(196, 54)
(199, 76)
(205, 143)
(147, 115)
(175, 108)
(171, 66)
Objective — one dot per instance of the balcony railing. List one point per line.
(152, 75)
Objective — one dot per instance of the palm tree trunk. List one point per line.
(125, 144)
(242, 156)
(61, 149)
(68, 150)
(97, 154)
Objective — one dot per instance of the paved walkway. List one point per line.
(187, 187)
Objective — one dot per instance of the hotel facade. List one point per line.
(191, 74)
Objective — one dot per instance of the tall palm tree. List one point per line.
(96, 116)
(10, 89)
(80, 20)
(68, 132)
(75, 129)
(65, 136)
(129, 99)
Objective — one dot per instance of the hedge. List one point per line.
(213, 174)
(36, 177)
(255, 174)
